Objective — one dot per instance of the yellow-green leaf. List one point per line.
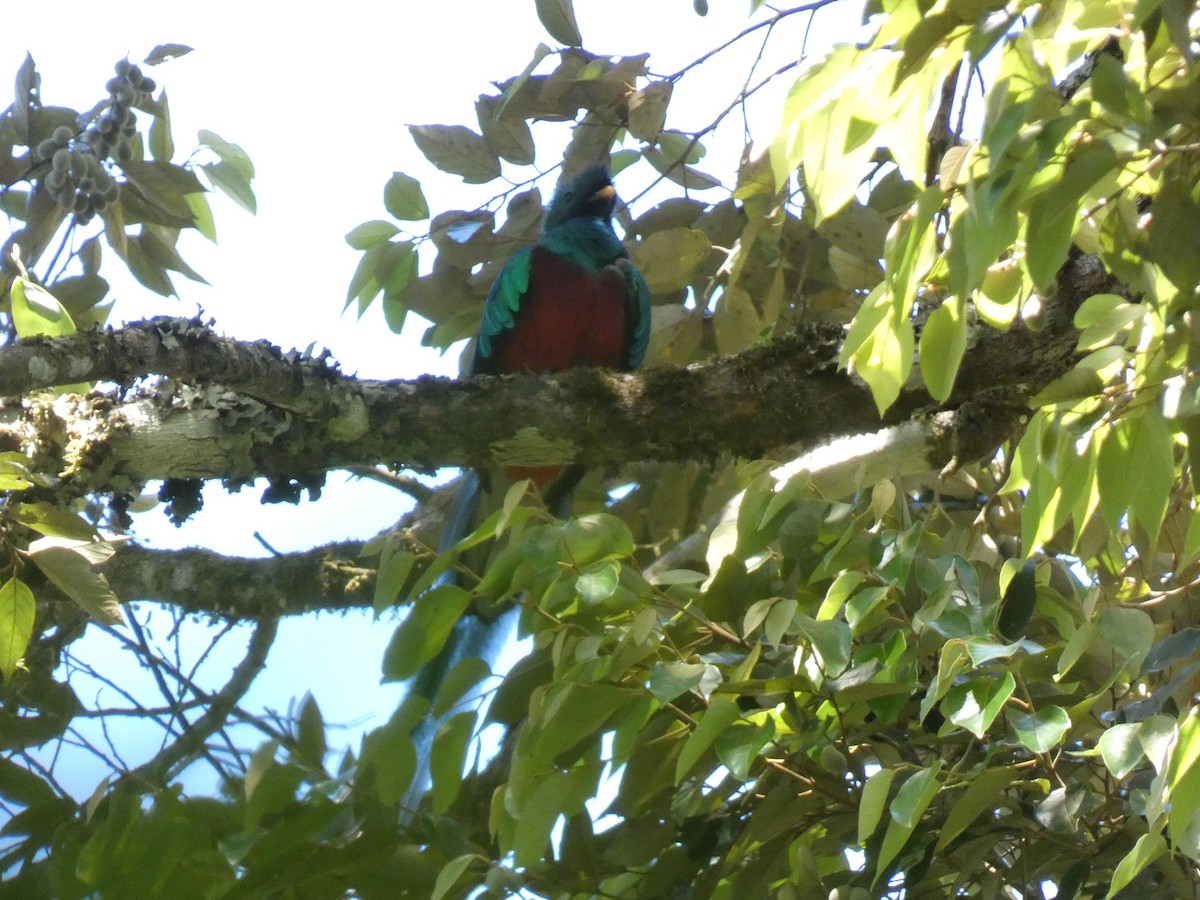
(943, 343)
(35, 311)
(17, 610)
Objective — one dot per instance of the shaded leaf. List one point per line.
(736, 322)
(310, 733)
(721, 713)
(980, 795)
(648, 110)
(166, 52)
(424, 631)
(70, 570)
(458, 150)
(558, 18)
(739, 745)
(681, 174)
(508, 137)
(466, 674)
(669, 259)
(448, 757)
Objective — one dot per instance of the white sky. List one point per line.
(319, 99)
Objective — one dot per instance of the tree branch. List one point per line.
(258, 411)
(156, 771)
(329, 578)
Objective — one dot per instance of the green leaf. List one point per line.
(830, 640)
(1121, 749)
(230, 153)
(1054, 213)
(1130, 634)
(668, 259)
(974, 707)
(1178, 645)
(951, 661)
(369, 234)
(71, 572)
(466, 674)
(670, 679)
(54, 521)
(202, 215)
(450, 874)
(980, 795)
(388, 759)
(424, 631)
(458, 150)
(558, 18)
(915, 795)
(35, 311)
(873, 803)
(739, 745)
(17, 611)
(448, 758)
(538, 815)
(1040, 731)
(232, 182)
(404, 199)
(1148, 848)
(909, 805)
(1017, 604)
(162, 146)
(1102, 316)
(817, 119)
(593, 538)
(573, 712)
(598, 585)
(676, 171)
(721, 713)
(736, 322)
(1183, 782)
(310, 733)
(1113, 467)
(17, 783)
(1149, 483)
(943, 343)
(395, 566)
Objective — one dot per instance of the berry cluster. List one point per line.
(78, 180)
(116, 125)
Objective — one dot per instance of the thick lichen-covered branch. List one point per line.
(237, 410)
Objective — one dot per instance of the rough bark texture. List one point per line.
(261, 412)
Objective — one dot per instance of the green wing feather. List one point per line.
(503, 301)
(637, 314)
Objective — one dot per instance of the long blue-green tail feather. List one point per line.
(472, 636)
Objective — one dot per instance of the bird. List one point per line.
(573, 298)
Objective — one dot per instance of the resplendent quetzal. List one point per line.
(572, 298)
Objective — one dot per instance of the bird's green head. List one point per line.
(590, 194)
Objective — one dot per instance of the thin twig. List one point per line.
(157, 770)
